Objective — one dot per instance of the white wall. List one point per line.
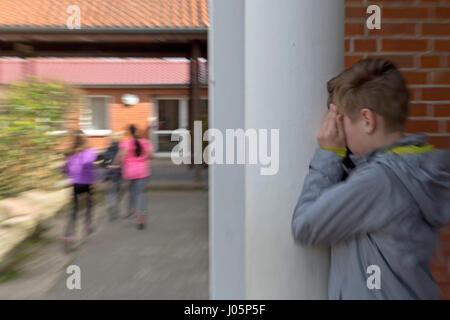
(270, 61)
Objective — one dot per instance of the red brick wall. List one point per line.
(120, 116)
(415, 34)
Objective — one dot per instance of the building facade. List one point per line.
(159, 88)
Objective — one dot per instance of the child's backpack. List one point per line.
(108, 156)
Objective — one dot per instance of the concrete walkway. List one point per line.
(166, 175)
(167, 260)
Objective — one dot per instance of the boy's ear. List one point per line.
(369, 120)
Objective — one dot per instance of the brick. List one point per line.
(444, 292)
(442, 110)
(446, 253)
(363, 45)
(352, 29)
(389, 2)
(431, 126)
(438, 260)
(429, 61)
(436, 29)
(401, 61)
(441, 77)
(442, 45)
(440, 142)
(417, 110)
(347, 45)
(404, 45)
(355, 12)
(445, 230)
(445, 238)
(443, 129)
(441, 275)
(415, 77)
(384, 2)
(405, 13)
(389, 29)
(442, 13)
(434, 94)
(435, 268)
(350, 60)
(415, 93)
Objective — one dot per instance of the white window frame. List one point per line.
(96, 132)
(182, 104)
(183, 118)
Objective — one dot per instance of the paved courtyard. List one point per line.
(167, 260)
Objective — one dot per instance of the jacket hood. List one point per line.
(423, 170)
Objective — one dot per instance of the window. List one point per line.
(172, 113)
(203, 110)
(95, 115)
(168, 114)
(168, 121)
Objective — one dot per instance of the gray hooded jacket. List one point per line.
(385, 214)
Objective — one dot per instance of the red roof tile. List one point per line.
(106, 13)
(102, 71)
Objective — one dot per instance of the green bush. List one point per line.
(29, 112)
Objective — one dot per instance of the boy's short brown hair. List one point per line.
(375, 84)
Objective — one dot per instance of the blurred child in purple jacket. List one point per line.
(80, 169)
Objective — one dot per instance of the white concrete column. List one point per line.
(269, 64)
(226, 182)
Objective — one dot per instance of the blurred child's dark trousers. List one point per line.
(114, 195)
(79, 189)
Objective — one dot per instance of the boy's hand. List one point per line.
(331, 133)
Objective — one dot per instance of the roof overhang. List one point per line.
(23, 41)
(128, 85)
(136, 86)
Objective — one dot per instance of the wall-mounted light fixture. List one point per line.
(130, 99)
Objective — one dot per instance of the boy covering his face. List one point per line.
(381, 205)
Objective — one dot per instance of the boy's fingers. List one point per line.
(331, 129)
(328, 125)
(330, 115)
(325, 123)
(340, 125)
(327, 117)
(332, 119)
